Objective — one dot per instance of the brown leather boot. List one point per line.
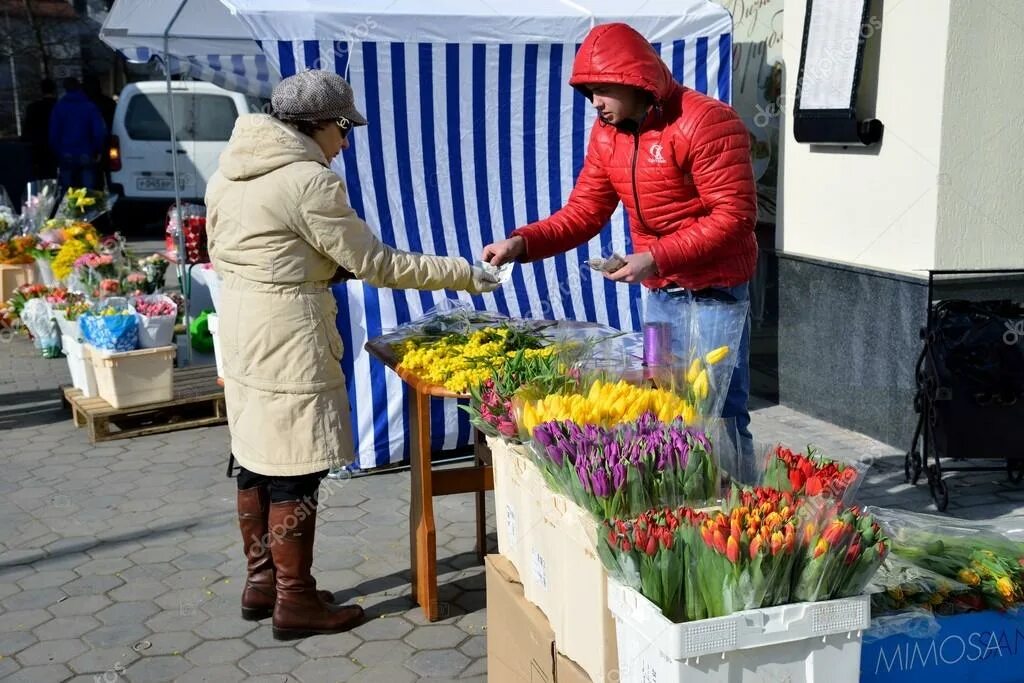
(298, 611)
(260, 591)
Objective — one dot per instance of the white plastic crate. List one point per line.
(132, 378)
(213, 324)
(809, 642)
(82, 375)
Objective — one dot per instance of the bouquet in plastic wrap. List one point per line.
(38, 205)
(14, 306)
(67, 307)
(456, 349)
(492, 404)
(811, 474)
(625, 469)
(8, 219)
(841, 549)
(17, 250)
(976, 555)
(38, 319)
(649, 554)
(78, 239)
(111, 325)
(83, 204)
(901, 586)
(744, 556)
(157, 315)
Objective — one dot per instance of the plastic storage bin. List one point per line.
(133, 378)
(212, 324)
(808, 642)
(83, 377)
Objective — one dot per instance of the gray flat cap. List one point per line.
(315, 96)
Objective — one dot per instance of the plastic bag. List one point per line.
(901, 586)
(692, 345)
(38, 318)
(978, 555)
(157, 314)
(916, 623)
(111, 325)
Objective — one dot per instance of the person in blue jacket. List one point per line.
(77, 137)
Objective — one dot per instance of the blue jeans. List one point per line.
(720, 313)
(78, 170)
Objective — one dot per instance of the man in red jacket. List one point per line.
(680, 163)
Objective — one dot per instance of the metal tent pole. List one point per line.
(183, 273)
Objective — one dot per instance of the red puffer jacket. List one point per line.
(685, 177)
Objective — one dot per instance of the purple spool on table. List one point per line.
(657, 344)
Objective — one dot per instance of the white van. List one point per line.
(140, 149)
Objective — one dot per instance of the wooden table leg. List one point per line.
(481, 509)
(423, 540)
(414, 495)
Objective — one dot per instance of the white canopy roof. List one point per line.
(195, 27)
(475, 21)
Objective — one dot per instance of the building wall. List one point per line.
(980, 221)
(875, 207)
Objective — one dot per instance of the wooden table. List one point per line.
(428, 482)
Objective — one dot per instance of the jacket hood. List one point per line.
(260, 144)
(617, 53)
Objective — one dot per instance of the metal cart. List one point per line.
(970, 380)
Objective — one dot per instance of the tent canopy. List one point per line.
(475, 21)
(474, 131)
(204, 41)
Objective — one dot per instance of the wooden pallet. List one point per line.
(198, 402)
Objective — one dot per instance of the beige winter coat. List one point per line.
(279, 225)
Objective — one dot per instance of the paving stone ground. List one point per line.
(121, 561)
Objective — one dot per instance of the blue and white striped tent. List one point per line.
(473, 132)
(204, 42)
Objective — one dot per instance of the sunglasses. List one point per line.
(345, 126)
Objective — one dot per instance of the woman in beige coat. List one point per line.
(280, 228)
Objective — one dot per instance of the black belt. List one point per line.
(712, 293)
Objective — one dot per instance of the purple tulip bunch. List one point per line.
(623, 470)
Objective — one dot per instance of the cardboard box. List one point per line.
(521, 646)
(520, 642)
(568, 582)
(516, 502)
(566, 671)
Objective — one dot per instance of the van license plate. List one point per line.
(154, 184)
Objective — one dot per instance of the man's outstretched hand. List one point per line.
(500, 253)
(638, 268)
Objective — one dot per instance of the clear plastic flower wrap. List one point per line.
(84, 204)
(810, 472)
(156, 317)
(691, 345)
(841, 549)
(37, 316)
(37, 206)
(901, 586)
(981, 556)
(628, 466)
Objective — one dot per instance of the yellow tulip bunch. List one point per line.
(606, 404)
(459, 362)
